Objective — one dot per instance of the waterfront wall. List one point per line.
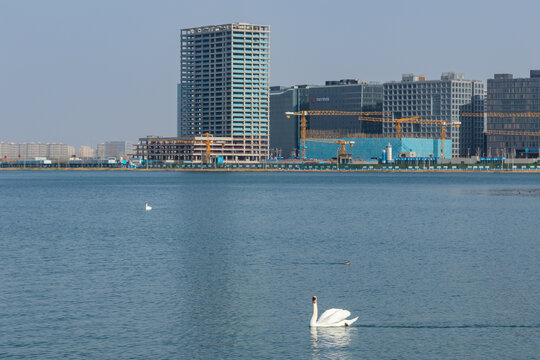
(367, 148)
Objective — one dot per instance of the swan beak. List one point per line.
(314, 299)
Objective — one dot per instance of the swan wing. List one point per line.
(333, 316)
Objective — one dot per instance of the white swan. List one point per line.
(148, 207)
(331, 317)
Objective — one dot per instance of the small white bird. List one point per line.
(148, 207)
(331, 317)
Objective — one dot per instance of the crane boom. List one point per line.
(521, 115)
(303, 121)
(509, 132)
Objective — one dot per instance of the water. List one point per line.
(224, 266)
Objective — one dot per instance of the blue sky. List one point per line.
(83, 72)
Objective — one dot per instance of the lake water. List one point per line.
(443, 266)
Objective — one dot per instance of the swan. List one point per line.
(331, 317)
(148, 207)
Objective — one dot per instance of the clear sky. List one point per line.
(83, 72)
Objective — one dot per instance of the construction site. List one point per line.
(349, 148)
(206, 149)
(334, 146)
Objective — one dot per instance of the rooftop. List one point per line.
(226, 27)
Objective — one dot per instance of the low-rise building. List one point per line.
(114, 149)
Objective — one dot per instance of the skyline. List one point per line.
(86, 73)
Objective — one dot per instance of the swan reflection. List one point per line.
(330, 341)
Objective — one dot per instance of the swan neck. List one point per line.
(313, 321)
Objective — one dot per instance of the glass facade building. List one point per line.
(342, 95)
(508, 95)
(285, 131)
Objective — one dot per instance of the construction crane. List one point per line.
(510, 132)
(342, 151)
(303, 122)
(396, 122)
(523, 115)
(398, 125)
(442, 123)
(507, 115)
(208, 152)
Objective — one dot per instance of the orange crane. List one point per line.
(442, 123)
(524, 114)
(208, 151)
(342, 151)
(417, 120)
(511, 132)
(303, 122)
(507, 115)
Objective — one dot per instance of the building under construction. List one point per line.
(201, 149)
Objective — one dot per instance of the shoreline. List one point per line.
(430, 171)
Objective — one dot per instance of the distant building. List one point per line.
(443, 99)
(9, 151)
(32, 150)
(114, 149)
(508, 95)
(86, 152)
(60, 151)
(24, 151)
(100, 150)
(341, 95)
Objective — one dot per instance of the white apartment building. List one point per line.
(25, 151)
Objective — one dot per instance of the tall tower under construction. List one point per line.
(224, 89)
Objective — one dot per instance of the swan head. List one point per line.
(314, 299)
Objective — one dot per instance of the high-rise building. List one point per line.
(443, 99)
(342, 95)
(223, 88)
(508, 95)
